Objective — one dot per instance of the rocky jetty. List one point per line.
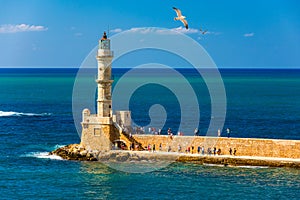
(77, 152)
(74, 152)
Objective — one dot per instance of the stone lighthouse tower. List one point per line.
(104, 102)
(98, 130)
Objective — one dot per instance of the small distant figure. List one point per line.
(169, 149)
(159, 131)
(179, 148)
(196, 132)
(198, 149)
(153, 148)
(149, 147)
(234, 151)
(202, 150)
(203, 32)
(228, 132)
(209, 151)
(170, 131)
(160, 147)
(219, 133)
(192, 149)
(189, 149)
(230, 151)
(104, 37)
(219, 152)
(215, 151)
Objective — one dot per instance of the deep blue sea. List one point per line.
(36, 117)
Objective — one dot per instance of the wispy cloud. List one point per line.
(186, 31)
(249, 34)
(15, 28)
(172, 31)
(117, 30)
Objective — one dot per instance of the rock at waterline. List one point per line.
(74, 152)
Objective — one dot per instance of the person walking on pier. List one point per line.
(234, 151)
(179, 148)
(228, 132)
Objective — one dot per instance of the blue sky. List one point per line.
(57, 33)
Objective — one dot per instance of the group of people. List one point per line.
(154, 131)
(191, 150)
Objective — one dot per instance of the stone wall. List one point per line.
(98, 137)
(243, 146)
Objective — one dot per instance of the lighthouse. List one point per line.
(98, 130)
(104, 131)
(104, 101)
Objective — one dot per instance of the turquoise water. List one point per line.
(36, 117)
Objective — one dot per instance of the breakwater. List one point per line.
(244, 146)
(249, 151)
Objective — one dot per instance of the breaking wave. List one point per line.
(12, 113)
(44, 155)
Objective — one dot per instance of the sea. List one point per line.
(36, 118)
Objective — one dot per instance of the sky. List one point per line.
(60, 33)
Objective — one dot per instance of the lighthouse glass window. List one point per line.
(105, 44)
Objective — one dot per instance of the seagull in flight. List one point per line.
(180, 17)
(203, 32)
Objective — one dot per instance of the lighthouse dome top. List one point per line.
(104, 42)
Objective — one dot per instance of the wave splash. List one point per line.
(44, 155)
(12, 113)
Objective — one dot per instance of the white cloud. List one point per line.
(117, 30)
(172, 31)
(248, 34)
(187, 31)
(15, 28)
(164, 31)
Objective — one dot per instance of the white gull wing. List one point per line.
(178, 12)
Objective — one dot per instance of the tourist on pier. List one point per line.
(219, 133)
(169, 148)
(209, 151)
(234, 151)
(228, 132)
(230, 151)
(219, 152)
(192, 149)
(153, 148)
(189, 149)
(149, 147)
(202, 150)
(215, 151)
(160, 147)
(196, 132)
(199, 149)
(159, 131)
(179, 148)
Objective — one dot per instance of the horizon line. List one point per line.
(68, 67)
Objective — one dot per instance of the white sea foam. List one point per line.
(249, 166)
(213, 165)
(44, 155)
(12, 113)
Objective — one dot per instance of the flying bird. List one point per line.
(203, 32)
(180, 17)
